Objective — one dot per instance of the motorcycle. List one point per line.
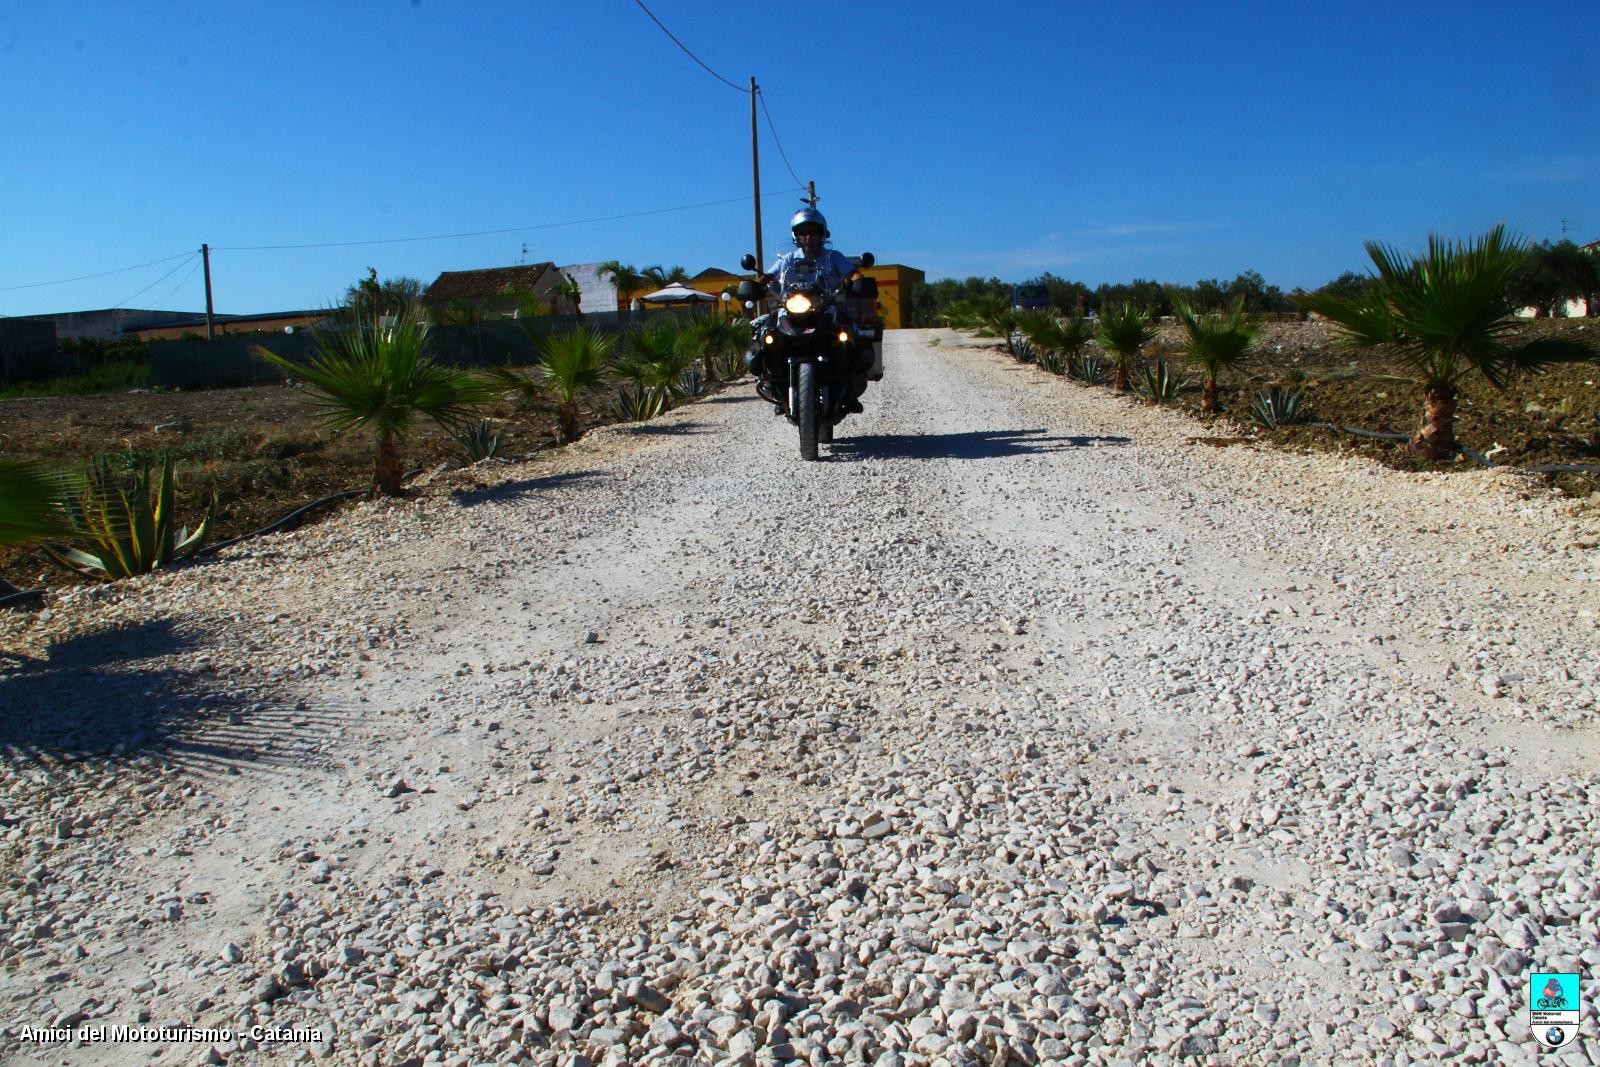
(824, 339)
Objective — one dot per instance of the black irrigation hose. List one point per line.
(280, 524)
(1362, 433)
(293, 515)
(20, 598)
(1546, 468)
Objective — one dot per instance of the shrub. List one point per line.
(639, 403)
(479, 440)
(127, 525)
(1278, 407)
(1159, 383)
(1088, 369)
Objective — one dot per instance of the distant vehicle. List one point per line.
(1029, 298)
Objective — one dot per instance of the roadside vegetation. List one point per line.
(1441, 327)
(93, 486)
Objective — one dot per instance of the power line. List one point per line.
(488, 233)
(775, 139)
(102, 274)
(124, 301)
(686, 51)
(181, 283)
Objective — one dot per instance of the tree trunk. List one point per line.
(1121, 382)
(567, 423)
(1208, 396)
(387, 469)
(1437, 438)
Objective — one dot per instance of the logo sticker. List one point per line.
(1554, 1008)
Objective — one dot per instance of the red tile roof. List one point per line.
(485, 284)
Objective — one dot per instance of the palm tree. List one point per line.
(571, 292)
(657, 277)
(1053, 333)
(1215, 342)
(570, 364)
(1443, 313)
(656, 356)
(1123, 330)
(380, 379)
(31, 503)
(625, 278)
(992, 316)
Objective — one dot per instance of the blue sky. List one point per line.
(1100, 142)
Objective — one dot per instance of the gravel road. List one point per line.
(1031, 726)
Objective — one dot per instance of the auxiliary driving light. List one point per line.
(844, 337)
(766, 338)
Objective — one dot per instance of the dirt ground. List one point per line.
(263, 452)
(1544, 419)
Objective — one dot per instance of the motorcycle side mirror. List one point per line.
(868, 259)
(748, 262)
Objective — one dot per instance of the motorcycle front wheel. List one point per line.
(805, 399)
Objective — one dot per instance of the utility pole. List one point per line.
(813, 198)
(755, 172)
(205, 255)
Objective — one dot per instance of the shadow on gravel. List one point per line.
(509, 491)
(96, 696)
(975, 444)
(682, 429)
(741, 397)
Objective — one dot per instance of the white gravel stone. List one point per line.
(1022, 729)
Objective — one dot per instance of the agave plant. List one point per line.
(1278, 407)
(1444, 313)
(1160, 384)
(1051, 361)
(1089, 369)
(379, 379)
(126, 524)
(1215, 342)
(1123, 330)
(479, 440)
(691, 383)
(638, 403)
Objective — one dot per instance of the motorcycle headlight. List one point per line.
(797, 303)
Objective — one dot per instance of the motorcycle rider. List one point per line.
(810, 256)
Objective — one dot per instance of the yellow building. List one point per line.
(895, 286)
(896, 283)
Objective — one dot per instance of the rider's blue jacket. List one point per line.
(834, 266)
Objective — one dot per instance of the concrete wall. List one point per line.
(598, 292)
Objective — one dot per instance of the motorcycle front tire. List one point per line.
(805, 398)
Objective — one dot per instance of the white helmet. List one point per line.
(808, 216)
